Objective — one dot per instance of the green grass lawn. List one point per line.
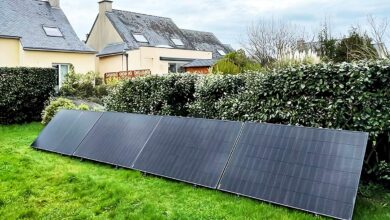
(39, 185)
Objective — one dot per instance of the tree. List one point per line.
(327, 44)
(270, 40)
(379, 33)
(356, 46)
(236, 62)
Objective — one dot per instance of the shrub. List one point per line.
(353, 96)
(56, 105)
(381, 172)
(84, 86)
(24, 92)
(225, 67)
(154, 95)
(79, 85)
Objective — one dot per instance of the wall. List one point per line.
(102, 34)
(111, 64)
(150, 57)
(147, 58)
(9, 52)
(82, 63)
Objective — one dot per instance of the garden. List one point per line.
(352, 96)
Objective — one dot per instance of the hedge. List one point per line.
(24, 92)
(353, 96)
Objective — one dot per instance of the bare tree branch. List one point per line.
(379, 31)
(269, 40)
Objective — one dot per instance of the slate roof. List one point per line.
(112, 49)
(157, 30)
(201, 63)
(206, 41)
(25, 19)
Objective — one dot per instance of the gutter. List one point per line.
(9, 37)
(176, 59)
(58, 50)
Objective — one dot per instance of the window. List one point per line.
(221, 52)
(176, 68)
(52, 31)
(140, 38)
(62, 70)
(177, 42)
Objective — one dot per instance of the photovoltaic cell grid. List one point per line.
(117, 138)
(191, 150)
(316, 170)
(66, 131)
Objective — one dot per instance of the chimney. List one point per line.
(54, 3)
(105, 6)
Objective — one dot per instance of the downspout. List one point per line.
(127, 62)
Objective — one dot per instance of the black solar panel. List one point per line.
(190, 150)
(66, 131)
(117, 138)
(316, 170)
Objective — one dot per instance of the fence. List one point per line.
(123, 75)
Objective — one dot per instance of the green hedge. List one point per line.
(167, 95)
(353, 96)
(24, 92)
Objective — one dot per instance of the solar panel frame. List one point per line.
(115, 118)
(238, 150)
(83, 120)
(148, 147)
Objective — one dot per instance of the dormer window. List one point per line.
(177, 42)
(140, 38)
(221, 52)
(52, 31)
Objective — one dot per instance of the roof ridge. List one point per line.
(209, 32)
(141, 13)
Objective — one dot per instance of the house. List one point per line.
(36, 33)
(129, 41)
(200, 66)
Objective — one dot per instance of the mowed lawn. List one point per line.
(40, 185)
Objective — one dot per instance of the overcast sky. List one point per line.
(228, 19)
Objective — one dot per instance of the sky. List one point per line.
(229, 19)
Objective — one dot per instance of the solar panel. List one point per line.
(187, 149)
(315, 170)
(117, 138)
(66, 131)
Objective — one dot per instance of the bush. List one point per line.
(225, 67)
(87, 85)
(154, 95)
(78, 85)
(353, 96)
(24, 92)
(56, 105)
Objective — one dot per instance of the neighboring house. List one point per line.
(36, 33)
(133, 41)
(200, 66)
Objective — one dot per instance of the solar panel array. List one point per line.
(190, 150)
(315, 170)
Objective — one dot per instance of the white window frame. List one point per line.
(59, 69)
(55, 29)
(178, 65)
(221, 52)
(177, 42)
(140, 38)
